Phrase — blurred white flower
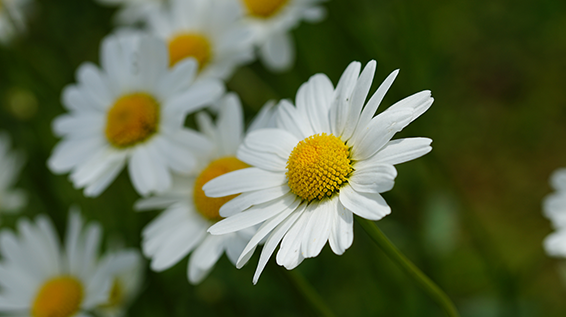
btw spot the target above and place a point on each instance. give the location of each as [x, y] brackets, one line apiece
[12, 18]
[39, 279]
[272, 21]
[554, 208]
[328, 158]
[126, 271]
[132, 110]
[211, 31]
[11, 199]
[181, 228]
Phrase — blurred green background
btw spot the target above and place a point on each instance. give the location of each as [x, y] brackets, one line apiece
[468, 214]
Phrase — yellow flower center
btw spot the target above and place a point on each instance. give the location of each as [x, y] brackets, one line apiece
[190, 45]
[58, 297]
[264, 8]
[318, 166]
[209, 207]
[132, 119]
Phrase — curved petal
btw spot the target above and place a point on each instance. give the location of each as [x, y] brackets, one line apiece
[366, 205]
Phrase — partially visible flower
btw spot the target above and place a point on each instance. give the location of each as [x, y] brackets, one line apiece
[11, 199]
[328, 158]
[134, 11]
[131, 111]
[554, 208]
[272, 21]
[12, 18]
[126, 271]
[181, 228]
[209, 31]
[39, 279]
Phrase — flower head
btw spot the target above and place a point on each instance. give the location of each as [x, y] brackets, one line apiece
[181, 228]
[209, 31]
[40, 279]
[554, 208]
[272, 20]
[131, 111]
[328, 158]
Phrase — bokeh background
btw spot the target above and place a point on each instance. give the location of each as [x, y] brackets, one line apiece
[468, 214]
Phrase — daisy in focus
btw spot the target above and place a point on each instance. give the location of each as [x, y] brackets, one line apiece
[12, 18]
[10, 166]
[131, 111]
[126, 271]
[133, 11]
[181, 228]
[39, 279]
[328, 158]
[554, 208]
[272, 20]
[210, 31]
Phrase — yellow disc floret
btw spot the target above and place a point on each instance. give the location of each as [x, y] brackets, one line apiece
[132, 119]
[190, 45]
[264, 8]
[209, 207]
[58, 297]
[318, 166]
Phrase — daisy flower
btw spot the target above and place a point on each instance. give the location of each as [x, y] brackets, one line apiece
[272, 20]
[126, 271]
[133, 11]
[10, 165]
[181, 228]
[131, 110]
[12, 18]
[554, 208]
[209, 31]
[327, 159]
[39, 279]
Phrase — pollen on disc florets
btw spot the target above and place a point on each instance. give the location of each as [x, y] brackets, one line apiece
[58, 297]
[190, 45]
[132, 119]
[209, 207]
[318, 166]
[264, 8]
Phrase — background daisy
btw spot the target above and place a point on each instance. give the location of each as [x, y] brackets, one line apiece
[272, 21]
[210, 31]
[10, 166]
[131, 111]
[328, 159]
[554, 208]
[125, 268]
[40, 279]
[181, 228]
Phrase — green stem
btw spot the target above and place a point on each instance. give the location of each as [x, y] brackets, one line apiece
[396, 256]
[309, 293]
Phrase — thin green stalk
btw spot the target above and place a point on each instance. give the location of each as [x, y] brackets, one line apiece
[396, 256]
[309, 293]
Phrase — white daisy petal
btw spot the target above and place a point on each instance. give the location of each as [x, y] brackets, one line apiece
[555, 243]
[266, 228]
[289, 254]
[358, 98]
[400, 151]
[278, 52]
[318, 228]
[342, 233]
[244, 180]
[201, 94]
[380, 130]
[204, 258]
[262, 140]
[274, 239]
[246, 200]
[230, 124]
[265, 160]
[374, 179]
[418, 103]
[339, 109]
[318, 93]
[290, 120]
[254, 215]
[94, 84]
[366, 205]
